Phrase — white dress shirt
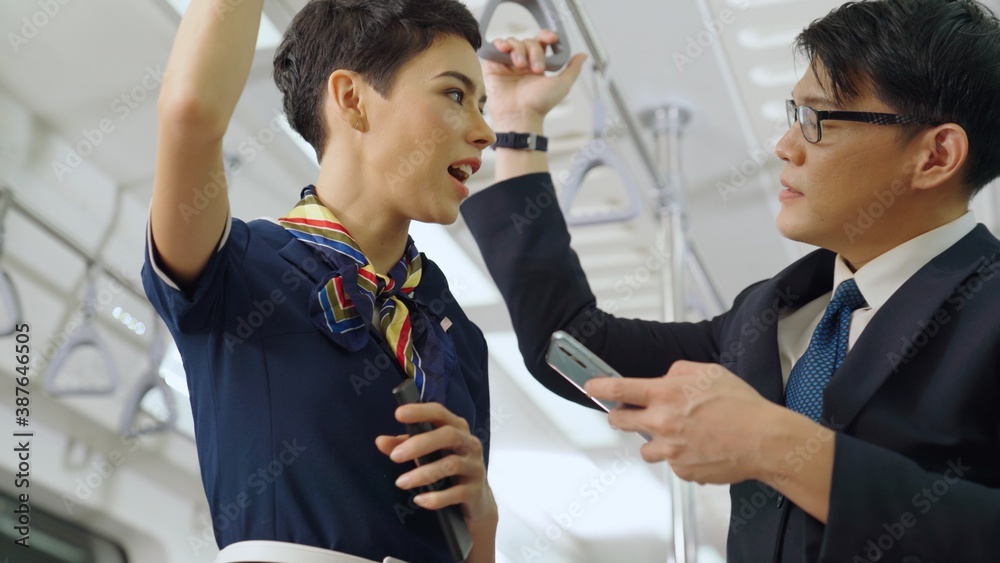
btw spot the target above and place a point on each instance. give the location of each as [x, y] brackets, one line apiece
[877, 281]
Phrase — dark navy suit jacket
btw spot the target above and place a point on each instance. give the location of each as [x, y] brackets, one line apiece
[915, 405]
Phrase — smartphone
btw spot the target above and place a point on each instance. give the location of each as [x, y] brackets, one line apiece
[578, 364]
[456, 533]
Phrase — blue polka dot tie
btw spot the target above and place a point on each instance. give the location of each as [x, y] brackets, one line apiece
[825, 353]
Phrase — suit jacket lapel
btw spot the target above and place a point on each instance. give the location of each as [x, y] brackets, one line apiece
[883, 345]
[793, 287]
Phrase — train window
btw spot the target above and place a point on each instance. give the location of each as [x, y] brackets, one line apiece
[53, 539]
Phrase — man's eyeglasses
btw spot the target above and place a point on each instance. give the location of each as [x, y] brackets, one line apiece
[811, 119]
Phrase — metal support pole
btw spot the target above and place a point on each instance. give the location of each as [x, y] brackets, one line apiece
[601, 65]
[671, 241]
[668, 122]
[8, 195]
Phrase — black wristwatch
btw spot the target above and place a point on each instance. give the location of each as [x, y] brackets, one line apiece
[527, 141]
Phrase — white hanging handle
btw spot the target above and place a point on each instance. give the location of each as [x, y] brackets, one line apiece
[599, 152]
[10, 303]
[8, 296]
[150, 381]
[85, 335]
[546, 16]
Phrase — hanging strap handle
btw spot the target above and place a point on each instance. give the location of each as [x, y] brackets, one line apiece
[546, 16]
[9, 300]
[599, 152]
[149, 382]
[84, 335]
[10, 303]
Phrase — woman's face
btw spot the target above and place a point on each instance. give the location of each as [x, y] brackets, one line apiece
[427, 137]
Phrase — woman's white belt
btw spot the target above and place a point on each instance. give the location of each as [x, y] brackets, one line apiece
[257, 551]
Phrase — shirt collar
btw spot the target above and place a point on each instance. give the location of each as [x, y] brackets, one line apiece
[880, 278]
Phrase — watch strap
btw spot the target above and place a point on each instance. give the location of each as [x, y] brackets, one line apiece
[525, 141]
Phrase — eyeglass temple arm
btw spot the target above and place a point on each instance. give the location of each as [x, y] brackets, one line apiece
[869, 117]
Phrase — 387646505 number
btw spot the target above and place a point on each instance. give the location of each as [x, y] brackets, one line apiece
[22, 357]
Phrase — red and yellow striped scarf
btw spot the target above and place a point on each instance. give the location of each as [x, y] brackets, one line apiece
[352, 296]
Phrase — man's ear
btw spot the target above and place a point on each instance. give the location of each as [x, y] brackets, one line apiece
[344, 98]
[941, 155]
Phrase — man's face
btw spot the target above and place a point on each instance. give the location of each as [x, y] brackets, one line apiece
[429, 133]
[829, 185]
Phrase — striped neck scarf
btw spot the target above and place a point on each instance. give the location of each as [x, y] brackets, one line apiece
[352, 296]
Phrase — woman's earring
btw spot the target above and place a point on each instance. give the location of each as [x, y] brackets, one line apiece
[357, 124]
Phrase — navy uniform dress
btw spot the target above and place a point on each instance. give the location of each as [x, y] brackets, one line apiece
[285, 419]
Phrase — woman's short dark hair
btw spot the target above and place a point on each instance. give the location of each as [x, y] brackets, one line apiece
[371, 37]
[938, 59]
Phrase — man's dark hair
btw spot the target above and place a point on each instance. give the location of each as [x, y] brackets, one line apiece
[371, 37]
[937, 59]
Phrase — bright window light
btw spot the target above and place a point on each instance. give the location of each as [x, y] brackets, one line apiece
[172, 369]
[757, 39]
[770, 76]
[744, 4]
[128, 320]
[618, 497]
[268, 36]
[467, 282]
[300, 143]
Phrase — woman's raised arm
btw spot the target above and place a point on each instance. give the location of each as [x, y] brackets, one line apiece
[208, 68]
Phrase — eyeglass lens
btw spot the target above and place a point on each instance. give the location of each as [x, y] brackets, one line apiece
[807, 118]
